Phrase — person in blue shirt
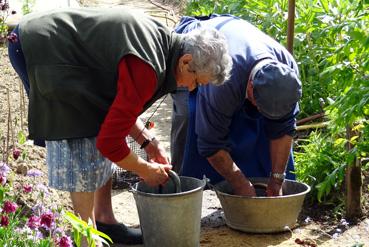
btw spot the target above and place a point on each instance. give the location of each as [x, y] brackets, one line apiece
[243, 128]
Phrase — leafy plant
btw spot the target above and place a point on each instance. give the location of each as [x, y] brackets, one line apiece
[80, 227]
[321, 163]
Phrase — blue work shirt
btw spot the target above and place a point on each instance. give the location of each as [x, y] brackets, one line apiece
[217, 105]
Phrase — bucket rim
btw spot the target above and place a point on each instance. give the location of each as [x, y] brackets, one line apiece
[135, 191]
[308, 188]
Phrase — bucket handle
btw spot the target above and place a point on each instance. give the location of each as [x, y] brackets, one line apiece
[176, 181]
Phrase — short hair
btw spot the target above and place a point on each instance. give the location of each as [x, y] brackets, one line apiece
[209, 50]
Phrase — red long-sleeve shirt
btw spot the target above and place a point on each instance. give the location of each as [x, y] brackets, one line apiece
[136, 85]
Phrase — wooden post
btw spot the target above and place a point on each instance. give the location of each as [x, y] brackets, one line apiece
[290, 25]
[353, 183]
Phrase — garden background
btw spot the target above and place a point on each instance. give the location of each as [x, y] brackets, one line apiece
[331, 46]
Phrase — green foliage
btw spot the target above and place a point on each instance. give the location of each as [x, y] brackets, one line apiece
[80, 227]
[321, 162]
[331, 46]
[321, 28]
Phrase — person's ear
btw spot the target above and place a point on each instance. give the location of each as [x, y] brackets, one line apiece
[184, 61]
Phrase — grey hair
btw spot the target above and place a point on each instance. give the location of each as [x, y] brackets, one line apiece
[209, 50]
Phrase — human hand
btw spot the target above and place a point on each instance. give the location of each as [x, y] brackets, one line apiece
[156, 152]
[244, 188]
[155, 174]
[274, 187]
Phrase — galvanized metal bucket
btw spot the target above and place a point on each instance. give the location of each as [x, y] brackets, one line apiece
[262, 214]
[169, 218]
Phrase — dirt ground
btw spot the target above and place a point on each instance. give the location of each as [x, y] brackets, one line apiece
[214, 232]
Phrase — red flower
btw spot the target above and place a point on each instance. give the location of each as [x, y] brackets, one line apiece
[65, 241]
[27, 188]
[47, 219]
[4, 221]
[9, 207]
[33, 222]
[16, 153]
[2, 180]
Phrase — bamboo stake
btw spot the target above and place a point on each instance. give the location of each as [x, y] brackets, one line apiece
[312, 126]
[353, 182]
[290, 25]
[6, 148]
[21, 104]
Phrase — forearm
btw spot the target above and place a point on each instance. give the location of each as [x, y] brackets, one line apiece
[279, 153]
[139, 132]
[133, 163]
[154, 149]
[222, 162]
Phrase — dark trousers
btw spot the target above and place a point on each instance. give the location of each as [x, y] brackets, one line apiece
[18, 62]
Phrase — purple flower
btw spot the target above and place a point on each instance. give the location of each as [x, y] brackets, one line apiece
[2, 179]
[33, 222]
[65, 241]
[4, 169]
[9, 207]
[38, 209]
[47, 219]
[34, 173]
[4, 220]
[39, 235]
[27, 188]
[42, 188]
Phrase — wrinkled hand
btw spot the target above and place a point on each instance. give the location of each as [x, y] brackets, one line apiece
[156, 153]
[274, 187]
[155, 174]
[244, 188]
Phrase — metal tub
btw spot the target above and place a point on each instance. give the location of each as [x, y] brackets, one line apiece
[262, 214]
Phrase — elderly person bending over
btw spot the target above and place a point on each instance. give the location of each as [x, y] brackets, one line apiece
[244, 128]
[90, 73]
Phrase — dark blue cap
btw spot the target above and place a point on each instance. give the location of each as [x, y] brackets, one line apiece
[277, 88]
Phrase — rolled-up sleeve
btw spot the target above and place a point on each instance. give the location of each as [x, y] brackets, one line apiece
[286, 126]
[136, 85]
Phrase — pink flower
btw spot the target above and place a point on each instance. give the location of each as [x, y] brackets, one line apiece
[27, 188]
[4, 220]
[47, 220]
[9, 207]
[65, 241]
[33, 222]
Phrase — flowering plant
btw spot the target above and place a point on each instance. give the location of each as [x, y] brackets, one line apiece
[25, 225]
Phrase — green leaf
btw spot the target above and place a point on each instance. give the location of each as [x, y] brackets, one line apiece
[1, 194]
[21, 137]
[339, 141]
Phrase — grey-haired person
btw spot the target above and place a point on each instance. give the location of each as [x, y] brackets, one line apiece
[89, 74]
[245, 127]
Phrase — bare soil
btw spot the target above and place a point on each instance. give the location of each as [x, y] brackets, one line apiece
[316, 225]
